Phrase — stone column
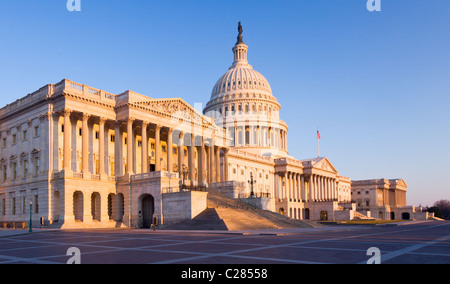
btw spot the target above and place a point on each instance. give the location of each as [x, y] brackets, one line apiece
[144, 148]
[217, 151]
[104, 217]
[85, 144]
[315, 190]
[276, 181]
[118, 164]
[303, 188]
[130, 146]
[334, 190]
[157, 148]
[202, 162]
[287, 186]
[208, 163]
[225, 164]
[169, 150]
[211, 168]
[322, 188]
[101, 139]
[67, 142]
[181, 154]
[87, 206]
[191, 158]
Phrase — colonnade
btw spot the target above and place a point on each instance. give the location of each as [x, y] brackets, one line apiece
[258, 136]
[207, 161]
[299, 187]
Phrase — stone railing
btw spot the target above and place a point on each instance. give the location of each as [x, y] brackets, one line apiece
[83, 176]
[286, 160]
[85, 91]
[159, 174]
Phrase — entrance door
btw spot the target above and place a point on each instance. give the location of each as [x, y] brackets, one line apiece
[148, 208]
[323, 215]
[306, 214]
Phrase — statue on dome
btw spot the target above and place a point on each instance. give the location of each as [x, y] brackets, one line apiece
[240, 30]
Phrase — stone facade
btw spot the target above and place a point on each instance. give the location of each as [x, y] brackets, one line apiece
[83, 157]
[383, 199]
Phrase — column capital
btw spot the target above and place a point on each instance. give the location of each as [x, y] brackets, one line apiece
[145, 124]
[102, 120]
[181, 136]
[85, 116]
[157, 127]
[130, 120]
[66, 112]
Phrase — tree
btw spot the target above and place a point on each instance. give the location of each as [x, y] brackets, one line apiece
[444, 208]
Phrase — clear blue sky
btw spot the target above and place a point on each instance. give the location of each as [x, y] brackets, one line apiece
[376, 84]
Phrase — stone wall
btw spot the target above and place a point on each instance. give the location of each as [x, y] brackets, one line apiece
[180, 206]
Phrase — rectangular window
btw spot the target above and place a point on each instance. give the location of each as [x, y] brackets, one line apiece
[36, 131]
[36, 204]
[4, 143]
[62, 128]
[24, 205]
[113, 138]
[14, 171]
[14, 138]
[97, 135]
[37, 163]
[4, 173]
[13, 206]
[97, 167]
[25, 135]
[25, 169]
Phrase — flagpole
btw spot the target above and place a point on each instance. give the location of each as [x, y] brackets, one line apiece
[318, 148]
[318, 143]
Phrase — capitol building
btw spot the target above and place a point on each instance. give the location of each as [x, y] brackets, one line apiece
[73, 156]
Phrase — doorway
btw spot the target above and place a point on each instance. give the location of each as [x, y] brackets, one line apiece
[323, 215]
[306, 213]
[405, 216]
[148, 208]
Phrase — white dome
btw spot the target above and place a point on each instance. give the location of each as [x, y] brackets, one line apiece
[242, 103]
[239, 80]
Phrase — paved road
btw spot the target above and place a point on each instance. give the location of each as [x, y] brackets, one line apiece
[427, 242]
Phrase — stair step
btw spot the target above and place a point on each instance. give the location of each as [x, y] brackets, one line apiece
[224, 213]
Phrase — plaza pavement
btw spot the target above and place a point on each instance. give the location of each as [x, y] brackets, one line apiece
[405, 242]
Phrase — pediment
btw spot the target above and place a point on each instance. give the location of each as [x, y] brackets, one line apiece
[176, 108]
[325, 164]
[401, 182]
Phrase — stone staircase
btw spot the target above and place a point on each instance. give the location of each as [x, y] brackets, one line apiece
[224, 213]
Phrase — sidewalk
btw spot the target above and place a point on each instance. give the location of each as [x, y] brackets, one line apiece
[4, 233]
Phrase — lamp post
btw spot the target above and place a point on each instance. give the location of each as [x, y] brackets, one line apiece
[31, 206]
[184, 172]
[251, 182]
